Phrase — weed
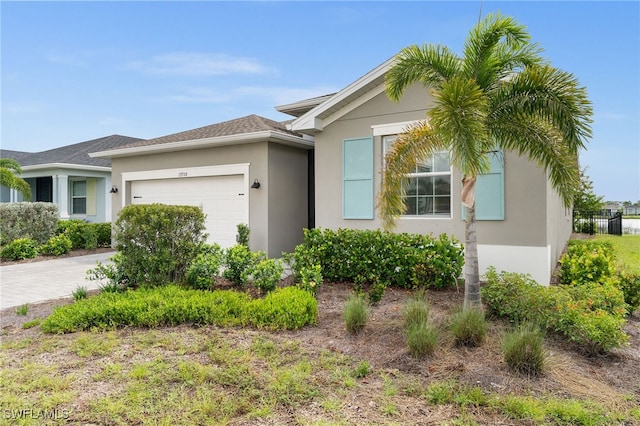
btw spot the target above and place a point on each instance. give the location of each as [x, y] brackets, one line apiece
[79, 293]
[356, 314]
[362, 370]
[22, 309]
[33, 323]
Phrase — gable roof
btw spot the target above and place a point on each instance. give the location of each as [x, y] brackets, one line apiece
[248, 129]
[75, 154]
[367, 86]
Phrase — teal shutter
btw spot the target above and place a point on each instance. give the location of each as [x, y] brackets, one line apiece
[357, 178]
[490, 191]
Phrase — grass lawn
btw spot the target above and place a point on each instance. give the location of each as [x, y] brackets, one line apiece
[627, 250]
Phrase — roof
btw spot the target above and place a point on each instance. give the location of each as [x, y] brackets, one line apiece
[77, 154]
[299, 108]
[248, 129]
[370, 84]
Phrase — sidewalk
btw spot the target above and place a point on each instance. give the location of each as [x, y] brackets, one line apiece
[49, 279]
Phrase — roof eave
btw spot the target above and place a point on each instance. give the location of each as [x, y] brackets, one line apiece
[65, 166]
[244, 138]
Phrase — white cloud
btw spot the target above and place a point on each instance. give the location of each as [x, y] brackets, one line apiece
[66, 59]
[273, 95]
[199, 64]
[201, 95]
[285, 95]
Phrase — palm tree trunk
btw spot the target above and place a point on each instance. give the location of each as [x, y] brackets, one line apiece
[471, 270]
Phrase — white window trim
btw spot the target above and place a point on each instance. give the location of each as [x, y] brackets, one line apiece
[72, 197]
[391, 129]
[394, 127]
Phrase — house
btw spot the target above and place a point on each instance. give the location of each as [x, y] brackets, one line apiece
[78, 184]
[251, 170]
[324, 168]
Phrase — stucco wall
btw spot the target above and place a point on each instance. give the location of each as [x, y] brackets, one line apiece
[288, 198]
[559, 226]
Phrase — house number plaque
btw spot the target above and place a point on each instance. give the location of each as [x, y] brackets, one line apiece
[182, 174]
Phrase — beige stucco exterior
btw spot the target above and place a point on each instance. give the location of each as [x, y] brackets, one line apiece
[277, 210]
[535, 227]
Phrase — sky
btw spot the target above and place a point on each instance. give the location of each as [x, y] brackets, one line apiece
[76, 71]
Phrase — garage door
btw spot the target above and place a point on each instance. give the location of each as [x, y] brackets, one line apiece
[222, 198]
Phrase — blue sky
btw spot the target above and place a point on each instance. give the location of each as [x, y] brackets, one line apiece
[75, 71]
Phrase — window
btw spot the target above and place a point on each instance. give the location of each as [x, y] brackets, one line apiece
[357, 178]
[78, 197]
[428, 190]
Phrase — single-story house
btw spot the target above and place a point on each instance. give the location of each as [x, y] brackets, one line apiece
[77, 183]
[324, 168]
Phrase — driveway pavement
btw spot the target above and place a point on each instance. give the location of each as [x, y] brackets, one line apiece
[49, 279]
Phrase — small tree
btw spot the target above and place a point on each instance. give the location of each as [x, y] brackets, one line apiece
[586, 200]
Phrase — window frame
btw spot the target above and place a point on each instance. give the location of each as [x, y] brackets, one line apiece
[73, 197]
[417, 174]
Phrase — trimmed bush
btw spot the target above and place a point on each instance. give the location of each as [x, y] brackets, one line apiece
[57, 245]
[630, 286]
[469, 327]
[36, 221]
[523, 349]
[587, 262]
[204, 270]
[404, 260]
[242, 237]
[310, 279]
[356, 314]
[85, 235]
[158, 242]
[267, 274]
[22, 248]
[286, 308]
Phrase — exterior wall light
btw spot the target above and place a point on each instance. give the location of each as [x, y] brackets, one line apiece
[255, 184]
[114, 190]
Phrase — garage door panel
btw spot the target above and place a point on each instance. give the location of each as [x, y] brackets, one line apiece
[222, 199]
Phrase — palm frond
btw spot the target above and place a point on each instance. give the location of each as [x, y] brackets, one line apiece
[10, 180]
[10, 164]
[543, 144]
[408, 149]
[547, 93]
[428, 64]
[458, 118]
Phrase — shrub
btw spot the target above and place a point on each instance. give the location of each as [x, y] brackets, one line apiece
[523, 349]
[204, 270]
[21, 248]
[469, 327]
[286, 308]
[356, 314]
[242, 237]
[587, 262]
[422, 339]
[36, 221]
[376, 291]
[346, 254]
[591, 316]
[267, 274]
[239, 261]
[158, 242]
[75, 230]
[57, 245]
[630, 286]
[103, 233]
[112, 276]
[310, 279]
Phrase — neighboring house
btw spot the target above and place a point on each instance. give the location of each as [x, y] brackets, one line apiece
[78, 184]
[632, 210]
[251, 170]
[324, 169]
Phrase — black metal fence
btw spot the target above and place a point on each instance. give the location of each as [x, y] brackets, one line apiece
[597, 223]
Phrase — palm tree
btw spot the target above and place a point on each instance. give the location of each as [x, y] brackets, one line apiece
[9, 171]
[500, 94]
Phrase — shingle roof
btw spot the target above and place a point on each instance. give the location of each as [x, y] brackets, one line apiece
[248, 124]
[72, 154]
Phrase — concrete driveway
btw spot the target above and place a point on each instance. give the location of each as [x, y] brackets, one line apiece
[48, 279]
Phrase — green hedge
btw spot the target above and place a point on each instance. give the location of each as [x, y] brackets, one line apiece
[36, 221]
[85, 235]
[158, 242]
[402, 260]
[283, 308]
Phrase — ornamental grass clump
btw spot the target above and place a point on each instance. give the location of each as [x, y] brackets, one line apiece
[523, 349]
[422, 336]
[469, 327]
[356, 314]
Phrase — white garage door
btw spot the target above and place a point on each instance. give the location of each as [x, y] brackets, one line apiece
[223, 199]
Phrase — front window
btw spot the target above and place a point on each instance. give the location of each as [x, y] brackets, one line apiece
[79, 197]
[428, 187]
